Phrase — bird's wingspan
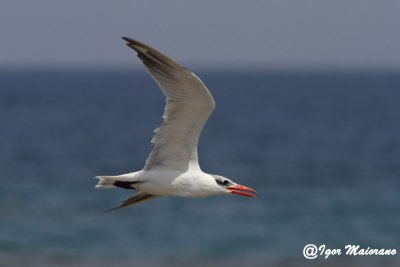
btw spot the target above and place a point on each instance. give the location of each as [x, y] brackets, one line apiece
[189, 104]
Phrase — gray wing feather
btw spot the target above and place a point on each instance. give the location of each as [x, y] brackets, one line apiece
[137, 198]
[189, 105]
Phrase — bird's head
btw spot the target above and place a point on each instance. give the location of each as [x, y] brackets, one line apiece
[229, 187]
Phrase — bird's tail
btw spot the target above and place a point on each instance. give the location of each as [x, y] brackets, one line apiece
[106, 181]
[122, 181]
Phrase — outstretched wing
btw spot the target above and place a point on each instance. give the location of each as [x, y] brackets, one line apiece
[189, 105]
[137, 198]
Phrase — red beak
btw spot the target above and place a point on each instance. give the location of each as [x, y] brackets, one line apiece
[242, 190]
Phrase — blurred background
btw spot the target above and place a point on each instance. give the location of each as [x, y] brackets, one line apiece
[307, 113]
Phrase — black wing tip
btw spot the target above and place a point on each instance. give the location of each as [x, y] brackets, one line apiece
[109, 210]
[142, 48]
[132, 42]
[127, 39]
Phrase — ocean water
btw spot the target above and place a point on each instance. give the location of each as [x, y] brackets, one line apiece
[321, 148]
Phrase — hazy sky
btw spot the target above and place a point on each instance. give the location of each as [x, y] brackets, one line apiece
[270, 33]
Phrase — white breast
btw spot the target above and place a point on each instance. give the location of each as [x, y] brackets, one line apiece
[194, 183]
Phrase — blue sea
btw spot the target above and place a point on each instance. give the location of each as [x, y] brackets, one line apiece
[322, 149]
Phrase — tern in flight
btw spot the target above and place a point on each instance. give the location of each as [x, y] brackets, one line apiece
[172, 168]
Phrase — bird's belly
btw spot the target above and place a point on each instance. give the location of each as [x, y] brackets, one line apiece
[156, 189]
[165, 189]
[158, 182]
[175, 184]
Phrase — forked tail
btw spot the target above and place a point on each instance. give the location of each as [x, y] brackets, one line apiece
[126, 183]
[115, 181]
[106, 181]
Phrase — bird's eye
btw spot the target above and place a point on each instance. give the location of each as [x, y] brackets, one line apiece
[223, 182]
